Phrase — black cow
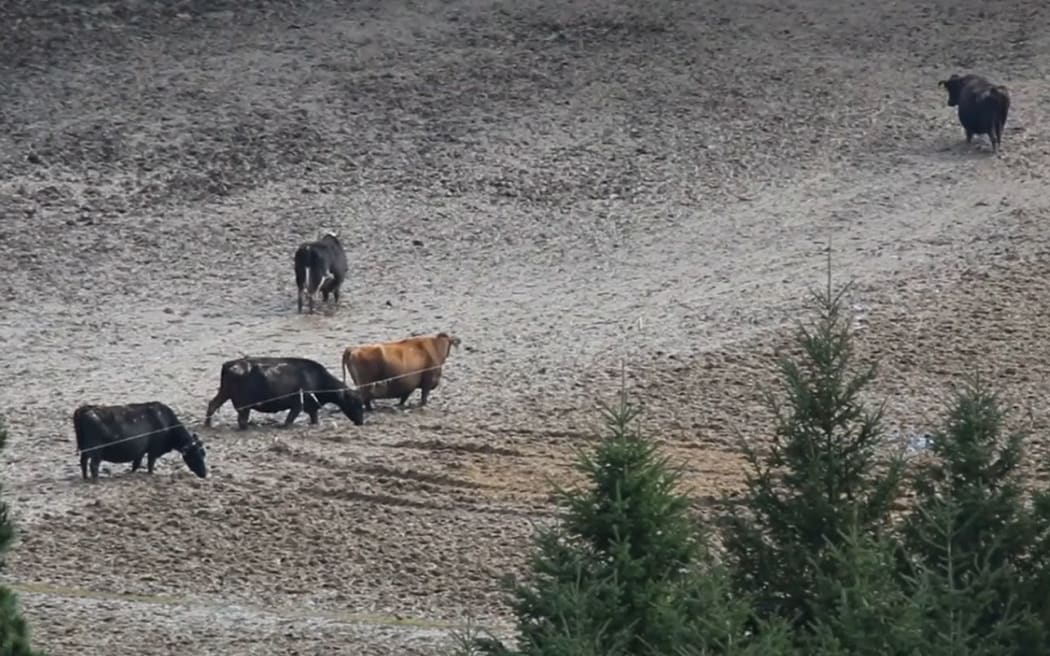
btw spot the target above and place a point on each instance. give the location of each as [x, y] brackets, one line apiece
[320, 265]
[126, 433]
[272, 384]
[982, 106]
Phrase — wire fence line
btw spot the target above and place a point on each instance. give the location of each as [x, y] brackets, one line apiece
[629, 330]
[639, 322]
[300, 392]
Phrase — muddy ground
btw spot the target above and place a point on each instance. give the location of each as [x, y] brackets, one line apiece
[565, 186]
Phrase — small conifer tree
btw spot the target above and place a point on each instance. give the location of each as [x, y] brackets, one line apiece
[861, 608]
[975, 532]
[618, 575]
[956, 593]
[14, 634]
[722, 623]
[819, 477]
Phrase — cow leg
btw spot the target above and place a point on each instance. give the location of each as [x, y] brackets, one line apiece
[83, 465]
[151, 460]
[136, 463]
[969, 136]
[300, 278]
[310, 406]
[427, 384]
[337, 282]
[213, 406]
[95, 462]
[242, 418]
[365, 392]
[297, 407]
[403, 399]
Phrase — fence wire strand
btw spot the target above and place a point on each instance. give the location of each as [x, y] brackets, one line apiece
[300, 392]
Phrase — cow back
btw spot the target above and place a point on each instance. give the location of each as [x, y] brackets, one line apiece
[390, 368]
[398, 367]
[121, 432]
[981, 106]
[335, 255]
[371, 363]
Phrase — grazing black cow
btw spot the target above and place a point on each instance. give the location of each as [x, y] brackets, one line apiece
[126, 433]
[320, 265]
[272, 384]
[982, 106]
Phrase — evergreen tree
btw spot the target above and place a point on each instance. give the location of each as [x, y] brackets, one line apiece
[956, 594]
[620, 574]
[722, 623]
[860, 607]
[865, 609]
[14, 635]
[819, 476]
[974, 529]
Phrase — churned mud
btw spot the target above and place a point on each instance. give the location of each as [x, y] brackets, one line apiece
[567, 187]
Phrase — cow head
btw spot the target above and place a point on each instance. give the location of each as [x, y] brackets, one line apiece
[954, 85]
[193, 455]
[351, 405]
[451, 340]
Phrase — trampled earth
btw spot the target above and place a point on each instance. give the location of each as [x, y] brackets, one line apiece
[564, 186]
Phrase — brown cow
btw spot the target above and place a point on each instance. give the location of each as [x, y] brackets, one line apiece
[393, 370]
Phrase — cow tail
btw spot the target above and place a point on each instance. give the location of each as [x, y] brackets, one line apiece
[1001, 103]
[78, 428]
[1003, 98]
[300, 266]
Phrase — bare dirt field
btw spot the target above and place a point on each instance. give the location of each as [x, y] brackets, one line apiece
[564, 186]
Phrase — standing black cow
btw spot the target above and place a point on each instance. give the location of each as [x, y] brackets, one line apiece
[982, 106]
[126, 433]
[320, 265]
[273, 384]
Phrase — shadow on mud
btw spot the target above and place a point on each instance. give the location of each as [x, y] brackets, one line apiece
[282, 305]
[951, 150]
[274, 424]
[954, 148]
[120, 475]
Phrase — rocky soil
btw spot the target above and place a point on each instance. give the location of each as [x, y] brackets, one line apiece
[567, 187]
